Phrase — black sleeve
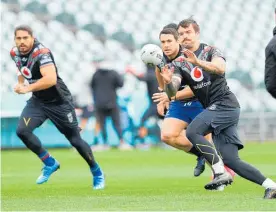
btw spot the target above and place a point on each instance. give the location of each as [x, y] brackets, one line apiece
[45, 59]
[92, 82]
[143, 77]
[147, 77]
[215, 52]
[119, 80]
[270, 68]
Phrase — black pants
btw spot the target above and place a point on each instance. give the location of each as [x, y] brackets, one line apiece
[222, 122]
[114, 113]
[64, 118]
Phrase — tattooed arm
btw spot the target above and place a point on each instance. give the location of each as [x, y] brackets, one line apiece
[216, 66]
[172, 81]
[172, 87]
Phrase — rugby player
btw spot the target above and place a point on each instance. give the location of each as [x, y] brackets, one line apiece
[202, 67]
[50, 99]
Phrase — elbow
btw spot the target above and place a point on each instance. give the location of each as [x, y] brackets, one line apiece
[221, 71]
[53, 82]
[271, 89]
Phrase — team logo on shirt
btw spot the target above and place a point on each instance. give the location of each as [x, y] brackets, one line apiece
[26, 72]
[70, 117]
[197, 74]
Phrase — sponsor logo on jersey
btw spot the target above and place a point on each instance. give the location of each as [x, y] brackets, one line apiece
[197, 74]
[26, 72]
[202, 85]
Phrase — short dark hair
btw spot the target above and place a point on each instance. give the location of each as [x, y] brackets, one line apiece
[171, 25]
[23, 28]
[187, 22]
[169, 31]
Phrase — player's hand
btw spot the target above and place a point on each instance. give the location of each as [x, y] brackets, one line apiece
[17, 88]
[21, 89]
[167, 105]
[167, 74]
[160, 97]
[190, 57]
[161, 108]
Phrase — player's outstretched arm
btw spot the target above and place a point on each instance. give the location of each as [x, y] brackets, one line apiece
[172, 81]
[185, 93]
[159, 78]
[216, 66]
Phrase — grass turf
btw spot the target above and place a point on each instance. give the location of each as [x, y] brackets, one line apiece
[138, 180]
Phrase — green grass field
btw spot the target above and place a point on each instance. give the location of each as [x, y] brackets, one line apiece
[139, 180]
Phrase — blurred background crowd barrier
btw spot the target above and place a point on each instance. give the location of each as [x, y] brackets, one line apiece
[81, 32]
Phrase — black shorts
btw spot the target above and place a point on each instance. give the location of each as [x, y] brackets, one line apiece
[62, 115]
[222, 121]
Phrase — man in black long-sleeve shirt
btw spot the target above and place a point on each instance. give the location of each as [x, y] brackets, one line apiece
[270, 65]
[104, 84]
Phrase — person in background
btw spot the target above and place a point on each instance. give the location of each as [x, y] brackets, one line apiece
[84, 102]
[152, 87]
[104, 84]
[270, 64]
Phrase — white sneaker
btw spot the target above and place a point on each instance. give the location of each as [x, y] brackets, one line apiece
[143, 146]
[125, 146]
[220, 188]
[100, 148]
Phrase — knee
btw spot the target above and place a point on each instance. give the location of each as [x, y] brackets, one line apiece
[22, 132]
[190, 133]
[230, 162]
[168, 136]
[74, 138]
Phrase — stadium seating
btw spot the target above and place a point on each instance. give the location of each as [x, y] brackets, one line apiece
[81, 31]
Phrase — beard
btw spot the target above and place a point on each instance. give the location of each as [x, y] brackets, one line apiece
[187, 46]
[24, 50]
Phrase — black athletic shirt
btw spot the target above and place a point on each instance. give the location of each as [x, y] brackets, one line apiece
[167, 61]
[150, 79]
[208, 88]
[270, 65]
[104, 85]
[29, 67]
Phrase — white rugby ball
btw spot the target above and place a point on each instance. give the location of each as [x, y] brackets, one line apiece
[151, 54]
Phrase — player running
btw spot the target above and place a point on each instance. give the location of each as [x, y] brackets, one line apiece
[51, 99]
[202, 67]
[180, 112]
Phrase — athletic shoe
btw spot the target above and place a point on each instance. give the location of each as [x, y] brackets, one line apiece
[270, 193]
[200, 166]
[47, 171]
[99, 182]
[219, 179]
